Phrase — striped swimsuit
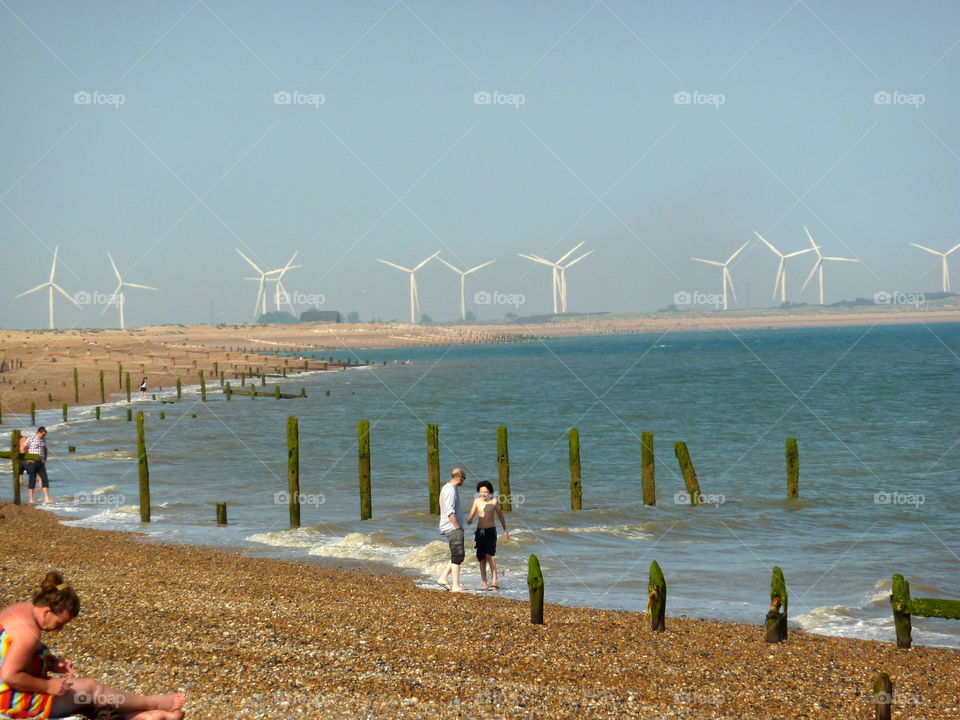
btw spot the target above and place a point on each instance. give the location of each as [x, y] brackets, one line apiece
[15, 704]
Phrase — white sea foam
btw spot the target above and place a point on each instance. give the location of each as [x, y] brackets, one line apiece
[429, 558]
[627, 532]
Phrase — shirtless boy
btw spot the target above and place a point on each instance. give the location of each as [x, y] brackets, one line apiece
[486, 508]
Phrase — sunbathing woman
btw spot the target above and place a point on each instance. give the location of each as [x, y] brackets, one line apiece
[26, 688]
[486, 508]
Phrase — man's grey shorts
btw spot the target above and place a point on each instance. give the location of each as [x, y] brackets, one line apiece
[455, 540]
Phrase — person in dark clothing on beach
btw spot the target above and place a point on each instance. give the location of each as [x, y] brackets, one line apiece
[37, 445]
[486, 508]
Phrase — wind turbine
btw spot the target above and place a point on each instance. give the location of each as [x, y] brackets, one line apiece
[261, 304]
[563, 279]
[463, 275]
[818, 265]
[725, 275]
[557, 291]
[118, 293]
[781, 280]
[414, 299]
[943, 255]
[51, 286]
[281, 295]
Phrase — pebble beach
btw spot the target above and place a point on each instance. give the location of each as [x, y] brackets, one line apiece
[256, 638]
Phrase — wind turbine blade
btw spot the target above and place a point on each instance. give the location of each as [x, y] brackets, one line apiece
[929, 250]
[952, 249]
[114, 266]
[64, 293]
[816, 248]
[536, 259]
[427, 260]
[733, 290]
[478, 267]
[252, 263]
[708, 262]
[765, 242]
[730, 259]
[38, 287]
[813, 271]
[574, 262]
[142, 287]
[113, 298]
[841, 259]
[398, 267]
[780, 271]
[455, 269]
[53, 267]
[571, 252]
[798, 252]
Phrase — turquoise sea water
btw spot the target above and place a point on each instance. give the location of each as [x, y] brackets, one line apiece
[874, 411]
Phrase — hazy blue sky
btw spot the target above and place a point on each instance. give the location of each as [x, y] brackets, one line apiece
[783, 129]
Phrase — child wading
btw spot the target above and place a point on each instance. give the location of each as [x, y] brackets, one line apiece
[486, 508]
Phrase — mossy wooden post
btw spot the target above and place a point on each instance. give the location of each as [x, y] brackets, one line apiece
[535, 585]
[97, 411]
[216, 368]
[576, 489]
[127, 384]
[776, 621]
[433, 467]
[648, 469]
[15, 463]
[793, 468]
[900, 600]
[228, 391]
[76, 386]
[363, 468]
[253, 391]
[293, 469]
[203, 387]
[120, 375]
[163, 415]
[221, 513]
[503, 470]
[129, 414]
[657, 598]
[689, 474]
[276, 391]
[143, 471]
[882, 697]
[64, 412]
[103, 394]
[179, 389]
[33, 412]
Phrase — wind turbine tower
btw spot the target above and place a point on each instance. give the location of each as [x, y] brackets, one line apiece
[945, 271]
[781, 281]
[51, 286]
[558, 291]
[118, 294]
[726, 279]
[414, 298]
[818, 265]
[463, 275]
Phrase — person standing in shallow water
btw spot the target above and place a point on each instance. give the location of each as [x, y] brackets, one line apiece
[451, 526]
[486, 508]
[37, 445]
[143, 389]
[26, 688]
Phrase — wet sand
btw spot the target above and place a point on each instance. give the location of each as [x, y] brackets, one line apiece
[255, 638]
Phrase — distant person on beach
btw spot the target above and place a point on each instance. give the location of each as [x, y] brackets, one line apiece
[143, 389]
[486, 508]
[451, 526]
[37, 445]
[26, 688]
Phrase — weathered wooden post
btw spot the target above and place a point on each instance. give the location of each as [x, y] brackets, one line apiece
[776, 621]
[228, 391]
[303, 392]
[263, 379]
[882, 697]
[163, 415]
[276, 391]
[143, 471]
[129, 414]
[203, 387]
[576, 490]
[648, 469]
[689, 474]
[793, 469]
[900, 600]
[71, 448]
[119, 375]
[76, 386]
[15, 463]
[503, 470]
[253, 391]
[221, 513]
[127, 383]
[535, 585]
[33, 412]
[293, 469]
[97, 411]
[64, 412]
[216, 368]
[179, 389]
[363, 468]
[103, 395]
[657, 598]
[433, 467]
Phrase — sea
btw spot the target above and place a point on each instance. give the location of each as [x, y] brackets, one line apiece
[873, 409]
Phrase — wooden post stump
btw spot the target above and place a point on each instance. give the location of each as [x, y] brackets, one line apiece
[129, 415]
[64, 412]
[689, 474]
[793, 468]
[96, 411]
[648, 469]
[882, 697]
[657, 598]
[363, 468]
[228, 391]
[143, 471]
[433, 467]
[776, 621]
[103, 395]
[503, 470]
[900, 600]
[203, 387]
[127, 384]
[576, 487]
[179, 389]
[221, 513]
[33, 412]
[535, 585]
[76, 386]
[15, 463]
[293, 468]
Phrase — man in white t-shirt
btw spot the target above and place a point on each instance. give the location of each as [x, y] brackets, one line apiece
[451, 526]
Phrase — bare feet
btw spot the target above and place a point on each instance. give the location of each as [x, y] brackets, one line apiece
[457, 588]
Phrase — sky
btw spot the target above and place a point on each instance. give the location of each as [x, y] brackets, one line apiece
[170, 134]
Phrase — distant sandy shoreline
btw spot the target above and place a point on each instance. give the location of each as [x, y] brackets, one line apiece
[37, 366]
